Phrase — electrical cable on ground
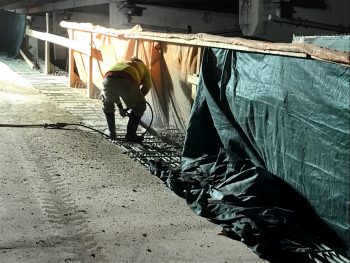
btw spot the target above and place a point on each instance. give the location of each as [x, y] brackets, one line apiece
[57, 125]
[60, 125]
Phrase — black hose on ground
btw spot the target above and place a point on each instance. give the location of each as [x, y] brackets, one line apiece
[150, 124]
[57, 125]
[22, 125]
[60, 125]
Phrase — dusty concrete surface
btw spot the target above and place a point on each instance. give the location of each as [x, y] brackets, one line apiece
[72, 196]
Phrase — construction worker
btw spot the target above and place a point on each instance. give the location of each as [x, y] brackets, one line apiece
[130, 81]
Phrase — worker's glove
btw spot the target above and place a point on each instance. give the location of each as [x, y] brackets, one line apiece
[123, 112]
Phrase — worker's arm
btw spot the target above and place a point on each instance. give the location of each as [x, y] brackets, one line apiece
[118, 102]
[123, 112]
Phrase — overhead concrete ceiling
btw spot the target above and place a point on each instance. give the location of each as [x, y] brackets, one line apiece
[227, 6]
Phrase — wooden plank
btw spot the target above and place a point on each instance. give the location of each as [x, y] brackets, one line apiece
[193, 92]
[63, 41]
[171, 38]
[281, 49]
[193, 79]
[26, 59]
[71, 68]
[203, 43]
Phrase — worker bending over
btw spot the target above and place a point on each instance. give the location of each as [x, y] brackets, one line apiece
[130, 81]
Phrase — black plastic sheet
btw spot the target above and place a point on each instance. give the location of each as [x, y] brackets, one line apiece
[266, 153]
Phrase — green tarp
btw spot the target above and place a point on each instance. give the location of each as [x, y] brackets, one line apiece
[266, 153]
[336, 42]
[12, 27]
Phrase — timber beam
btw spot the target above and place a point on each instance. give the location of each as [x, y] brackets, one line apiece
[62, 41]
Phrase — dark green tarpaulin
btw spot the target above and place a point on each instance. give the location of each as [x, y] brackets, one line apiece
[12, 27]
[266, 153]
[336, 42]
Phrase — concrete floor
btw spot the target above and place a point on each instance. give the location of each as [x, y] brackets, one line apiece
[72, 196]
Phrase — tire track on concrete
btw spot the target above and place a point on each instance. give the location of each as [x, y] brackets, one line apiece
[69, 223]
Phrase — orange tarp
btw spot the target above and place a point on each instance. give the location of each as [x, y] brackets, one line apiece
[169, 65]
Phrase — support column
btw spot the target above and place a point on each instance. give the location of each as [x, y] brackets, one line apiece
[59, 52]
[199, 60]
[47, 47]
[116, 19]
[136, 51]
[194, 79]
[89, 84]
[71, 65]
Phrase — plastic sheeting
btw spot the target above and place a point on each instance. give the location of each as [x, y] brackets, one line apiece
[169, 65]
[12, 28]
[337, 42]
[266, 153]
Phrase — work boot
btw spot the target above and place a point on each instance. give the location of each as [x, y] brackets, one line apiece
[132, 128]
[110, 117]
